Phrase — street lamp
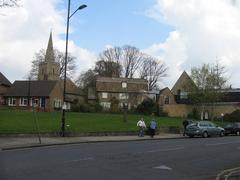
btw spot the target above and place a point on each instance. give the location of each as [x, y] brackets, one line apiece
[65, 66]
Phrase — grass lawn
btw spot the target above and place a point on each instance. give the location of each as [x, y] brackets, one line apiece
[50, 122]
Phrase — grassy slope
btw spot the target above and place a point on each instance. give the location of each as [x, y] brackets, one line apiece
[24, 122]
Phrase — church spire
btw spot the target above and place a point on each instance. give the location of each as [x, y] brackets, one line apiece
[50, 52]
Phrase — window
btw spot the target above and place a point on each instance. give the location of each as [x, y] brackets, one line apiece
[105, 105]
[123, 96]
[58, 103]
[23, 101]
[166, 100]
[42, 102]
[124, 85]
[183, 95]
[35, 102]
[12, 101]
[104, 95]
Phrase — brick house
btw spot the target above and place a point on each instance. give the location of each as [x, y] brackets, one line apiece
[176, 103]
[128, 92]
[5, 84]
[44, 95]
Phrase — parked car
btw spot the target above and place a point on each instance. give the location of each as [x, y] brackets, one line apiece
[232, 128]
[204, 129]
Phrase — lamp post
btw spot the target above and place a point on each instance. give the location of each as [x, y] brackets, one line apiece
[65, 66]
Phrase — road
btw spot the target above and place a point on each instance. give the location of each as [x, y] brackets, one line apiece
[190, 158]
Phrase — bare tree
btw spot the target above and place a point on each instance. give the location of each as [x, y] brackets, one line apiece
[132, 59]
[59, 57]
[109, 63]
[86, 79]
[9, 3]
[152, 70]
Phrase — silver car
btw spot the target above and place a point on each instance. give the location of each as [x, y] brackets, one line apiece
[204, 129]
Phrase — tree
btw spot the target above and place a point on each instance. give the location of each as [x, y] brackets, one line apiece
[9, 3]
[209, 81]
[86, 79]
[107, 68]
[109, 63]
[132, 59]
[152, 70]
[59, 57]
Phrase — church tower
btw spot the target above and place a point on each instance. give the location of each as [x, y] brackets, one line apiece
[49, 69]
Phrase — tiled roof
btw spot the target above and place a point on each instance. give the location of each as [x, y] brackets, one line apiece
[4, 80]
[115, 79]
[31, 88]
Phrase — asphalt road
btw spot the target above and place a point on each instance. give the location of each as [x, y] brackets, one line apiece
[195, 158]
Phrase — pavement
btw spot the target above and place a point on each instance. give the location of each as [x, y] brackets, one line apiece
[8, 143]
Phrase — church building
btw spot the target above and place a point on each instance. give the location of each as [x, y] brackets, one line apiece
[45, 93]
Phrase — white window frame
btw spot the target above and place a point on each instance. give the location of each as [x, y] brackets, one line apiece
[58, 103]
[34, 102]
[104, 95]
[11, 100]
[123, 96]
[106, 105]
[124, 84]
[23, 101]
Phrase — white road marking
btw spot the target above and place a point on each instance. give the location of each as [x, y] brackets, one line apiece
[164, 150]
[82, 159]
[224, 143]
[163, 167]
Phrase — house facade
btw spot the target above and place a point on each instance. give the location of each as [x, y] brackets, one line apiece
[127, 93]
[5, 84]
[176, 103]
[42, 95]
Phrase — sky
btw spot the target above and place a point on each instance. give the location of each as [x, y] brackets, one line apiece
[182, 34]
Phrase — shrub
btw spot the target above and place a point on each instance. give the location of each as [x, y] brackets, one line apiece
[194, 114]
[148, 106]
[114, 105]
[234, 116]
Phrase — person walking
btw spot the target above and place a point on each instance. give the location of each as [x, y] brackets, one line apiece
[153, 126]
[141, 124]
[185, 124]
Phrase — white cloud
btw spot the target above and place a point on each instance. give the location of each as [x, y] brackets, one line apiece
[25, 30]
[204, 31]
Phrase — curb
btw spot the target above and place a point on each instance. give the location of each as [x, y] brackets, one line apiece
[81, 142]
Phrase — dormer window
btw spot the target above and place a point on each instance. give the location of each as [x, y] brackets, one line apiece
[124, 85]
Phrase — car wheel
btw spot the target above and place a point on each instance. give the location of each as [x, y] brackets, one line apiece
[221, 133]
[205, 134]
[238, 133]
[191, 136]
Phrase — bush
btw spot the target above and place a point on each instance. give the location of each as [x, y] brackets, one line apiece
[86, 107]
[114, 105]
[233, 117]
[194, 114]
[148, 106]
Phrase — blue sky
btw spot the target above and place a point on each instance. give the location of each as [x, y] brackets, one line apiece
[180, 33]
[115, 23]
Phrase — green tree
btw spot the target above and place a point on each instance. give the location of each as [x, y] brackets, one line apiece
[209, 82]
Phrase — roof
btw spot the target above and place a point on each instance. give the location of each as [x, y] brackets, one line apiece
[162, 90]
[183, 80]
[4, 80]
[31, 88]
[119, 80]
